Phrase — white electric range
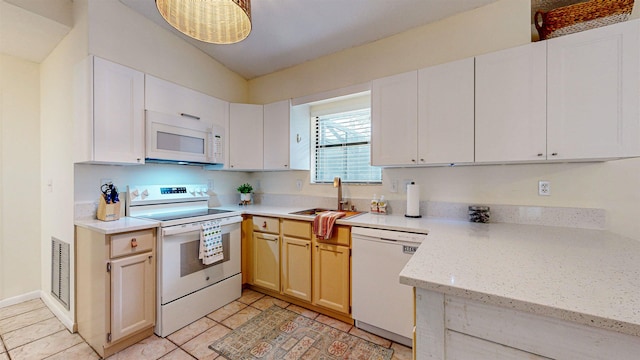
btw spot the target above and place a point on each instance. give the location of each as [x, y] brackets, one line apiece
[187, 289]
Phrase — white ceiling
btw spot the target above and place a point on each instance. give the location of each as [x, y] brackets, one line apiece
[289, 32]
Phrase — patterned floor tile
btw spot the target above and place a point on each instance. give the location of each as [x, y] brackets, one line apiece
[370, 337]
[25, 319]
[21, 308]
[226, 311]
[47, 346]
[249, 296]
[401, 352]
[302, 311]
[151, 348]
[2, 348]
[177, 354]
[81, 351]
[240, 317]
[4, 356]
[31, 333]
[267, 302]
[342, 326]
[199, 346]
[192, 330]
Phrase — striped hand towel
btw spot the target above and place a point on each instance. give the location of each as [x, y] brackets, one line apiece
[211, 242]
[323, 223]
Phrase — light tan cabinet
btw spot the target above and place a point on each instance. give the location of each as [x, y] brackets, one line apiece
[115, 288]
[265, 259]
[296, 259]
[331, 271]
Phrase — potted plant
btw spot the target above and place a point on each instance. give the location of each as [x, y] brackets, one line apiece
[245, 192]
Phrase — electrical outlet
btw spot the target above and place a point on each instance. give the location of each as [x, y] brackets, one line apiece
[394, 185]
[210, 184]
[544, 188]
[299, 184]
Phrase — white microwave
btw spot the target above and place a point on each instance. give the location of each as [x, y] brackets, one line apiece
[182, 139]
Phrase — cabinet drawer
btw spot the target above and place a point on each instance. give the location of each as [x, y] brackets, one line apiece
[131, 243]
[297, 228]
[341, 236]
[266, 224]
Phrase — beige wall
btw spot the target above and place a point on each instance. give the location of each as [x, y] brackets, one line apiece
[121, 35]
[610, 185]
[19, 177]
[475, 32]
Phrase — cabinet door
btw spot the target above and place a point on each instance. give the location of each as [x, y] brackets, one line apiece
[300, 138]
[446, 113]
[118, 113]
[169, 98]
[331, 277]
[132, 294]
[296, 267]
[276, 135]
[245, 137]
[394, 117]
[511, 105]
[593, 95]
[266, 261]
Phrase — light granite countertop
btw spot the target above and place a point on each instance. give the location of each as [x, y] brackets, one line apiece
[590, 277]
[124, 224]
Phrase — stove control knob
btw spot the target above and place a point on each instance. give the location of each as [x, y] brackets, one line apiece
[145, 193]
[134, 193]
[202, 191]
[192, 192]
[205, 191]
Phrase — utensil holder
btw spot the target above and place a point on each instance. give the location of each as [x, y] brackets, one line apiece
[108, 212]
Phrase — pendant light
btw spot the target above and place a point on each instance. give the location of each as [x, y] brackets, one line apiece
[212, 21]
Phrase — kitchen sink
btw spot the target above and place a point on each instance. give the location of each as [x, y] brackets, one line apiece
[316, 211]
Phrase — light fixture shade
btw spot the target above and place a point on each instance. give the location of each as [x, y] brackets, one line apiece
[212, 21]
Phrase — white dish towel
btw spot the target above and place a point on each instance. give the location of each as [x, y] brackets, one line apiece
[211, 242]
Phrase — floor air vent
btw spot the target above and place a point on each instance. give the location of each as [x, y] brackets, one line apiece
[60, 271]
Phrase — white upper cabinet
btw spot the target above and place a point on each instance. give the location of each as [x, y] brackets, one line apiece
[109, 106]
[593, 96]
[394, 118]
[446, 113]
[510, 107]
[276, 135]
[299, 138]
[169, 98]
[245, 137]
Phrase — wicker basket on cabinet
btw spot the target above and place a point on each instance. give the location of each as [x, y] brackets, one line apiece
[581, 16]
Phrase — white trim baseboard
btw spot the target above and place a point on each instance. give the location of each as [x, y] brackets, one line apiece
[61, 314]
[20, 298]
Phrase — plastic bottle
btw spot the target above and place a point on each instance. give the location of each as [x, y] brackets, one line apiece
[374, 204]
[382, 205]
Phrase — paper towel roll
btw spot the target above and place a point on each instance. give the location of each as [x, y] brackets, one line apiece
[413, 200]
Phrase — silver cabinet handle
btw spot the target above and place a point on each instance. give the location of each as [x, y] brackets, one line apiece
[190, 116]
[413, 160]
[540, 154]
[554, 154]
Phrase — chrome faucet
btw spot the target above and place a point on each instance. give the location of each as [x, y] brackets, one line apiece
[337, 183]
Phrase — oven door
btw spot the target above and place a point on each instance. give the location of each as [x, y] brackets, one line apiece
[180, 270]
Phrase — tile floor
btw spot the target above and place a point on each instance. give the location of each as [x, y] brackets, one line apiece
[30, 331]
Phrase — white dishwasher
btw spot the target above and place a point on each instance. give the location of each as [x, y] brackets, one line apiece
[381, 305]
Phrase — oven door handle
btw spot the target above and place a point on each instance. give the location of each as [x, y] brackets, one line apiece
[176, 230]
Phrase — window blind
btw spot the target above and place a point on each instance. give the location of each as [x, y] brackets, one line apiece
[342, 148]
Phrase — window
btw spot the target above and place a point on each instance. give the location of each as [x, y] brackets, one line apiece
[342, 147]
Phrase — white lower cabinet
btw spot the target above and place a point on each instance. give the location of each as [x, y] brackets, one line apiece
[450, 327]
